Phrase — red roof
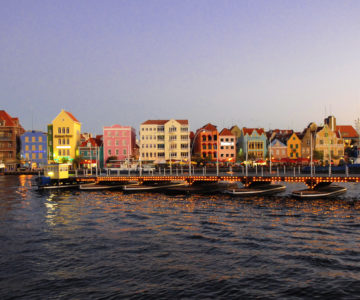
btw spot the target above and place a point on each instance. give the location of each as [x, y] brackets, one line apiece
[225, 131]
[72, 116]
[347, 131]
[249, 131]
[208, 127]
[162, 122]
[9, 121]
[94, 143]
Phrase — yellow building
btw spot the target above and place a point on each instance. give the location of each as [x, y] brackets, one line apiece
[328, 144]
[64, 134]
[293, 146]
[164, 140]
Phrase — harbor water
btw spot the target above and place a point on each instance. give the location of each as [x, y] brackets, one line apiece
[109, 245]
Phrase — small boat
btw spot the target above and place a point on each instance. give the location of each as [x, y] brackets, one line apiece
[61, 186]
[197, 188]
[154, 186]
[324, 190]
[256, 189]
[98, 187]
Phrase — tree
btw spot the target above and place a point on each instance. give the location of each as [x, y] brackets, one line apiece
[76, 161]
[318, 155]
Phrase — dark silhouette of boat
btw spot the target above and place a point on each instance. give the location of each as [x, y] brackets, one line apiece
[256, 189]
[322, 190]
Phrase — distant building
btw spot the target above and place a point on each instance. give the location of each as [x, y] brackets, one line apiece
[294, 146]
[10, 143]
[91, 152]
[254, 141]
[227, 146]
[278, 149]
[119, 143]
[308, 140]
[206, 142]
[164, 140]
[63, 138]
[34, 148]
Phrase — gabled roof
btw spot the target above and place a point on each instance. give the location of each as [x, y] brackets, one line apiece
[278, 141]
[347, 131]
[225, 131]
[162, 122]
[9, 121]
[209, 127]
[92, 141]
[250, 131]
[72, 116]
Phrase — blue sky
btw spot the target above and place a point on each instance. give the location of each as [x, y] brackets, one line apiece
[271, 64]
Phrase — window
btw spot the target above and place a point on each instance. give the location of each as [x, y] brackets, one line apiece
[27, 148]
[26, 139]
[59, 152]
[33, 156]
[33, 147]
[59, 130]
[124, 151]
[117, 143]
[63, 130]
[109, 143]
[67, 129]
[40, 139]
[40, 147]
[68, 152]
[109, 151]
[63, 141]
[68, 141]
[117, 151]
[33, 139]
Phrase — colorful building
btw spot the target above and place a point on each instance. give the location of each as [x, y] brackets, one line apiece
[164, 140]
[119, 143]
[294, 146]
[63, 138]
[34, 148]
[227, 146]
[206, 142]
[254, 142]
[278, 150]
[308, 140]
[91, 153]
[10, 143]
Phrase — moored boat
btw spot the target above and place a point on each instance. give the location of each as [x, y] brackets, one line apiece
[154, 186]
[322, 191]
[98, 187]
[256, 190]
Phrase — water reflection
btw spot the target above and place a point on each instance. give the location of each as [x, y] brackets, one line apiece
[73, 242]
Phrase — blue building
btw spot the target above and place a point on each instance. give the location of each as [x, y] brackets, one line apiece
[34, 148]
[254, 142]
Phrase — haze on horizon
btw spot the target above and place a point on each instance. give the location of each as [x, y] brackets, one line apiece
[271, 64]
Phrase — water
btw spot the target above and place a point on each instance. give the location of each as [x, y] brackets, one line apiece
[107, 245]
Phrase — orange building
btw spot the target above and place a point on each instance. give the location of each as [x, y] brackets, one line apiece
[206, 142]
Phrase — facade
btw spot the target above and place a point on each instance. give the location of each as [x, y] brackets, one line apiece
[294, 146]
[308, 140]
[254, 142]
[119, 142]
[227, 146]
[63, 138]
[235, 130]
[34, 148]
[91, 153]
[10, 143]
[206, 142]
[348, 134]
[278, 149]
[164, 140]
[328, 144]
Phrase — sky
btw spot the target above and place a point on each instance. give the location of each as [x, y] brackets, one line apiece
[271, 64]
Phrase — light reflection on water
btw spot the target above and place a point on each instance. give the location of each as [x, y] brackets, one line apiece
[109, 244]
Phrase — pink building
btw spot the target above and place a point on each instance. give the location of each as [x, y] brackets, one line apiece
[227, 151]
[119, 141]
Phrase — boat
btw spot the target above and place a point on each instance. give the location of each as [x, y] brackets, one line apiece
[197, 188]
[256, 189]
[59, 186]
[98, 187]
[152, 186]
[323, 190]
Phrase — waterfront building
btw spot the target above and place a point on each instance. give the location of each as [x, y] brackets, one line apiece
[91, 152]
[227, 149]
[328, 145]
[10, 143]
[206, 142]
[164, 140]
[294, 146]
[34, 148]
[278, 149]
[254, 141]
[63, 138]
[308, 140]
[348, 134]
[119, 144]
[235, 130]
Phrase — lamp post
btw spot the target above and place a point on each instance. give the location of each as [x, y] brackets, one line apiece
[217, 155]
